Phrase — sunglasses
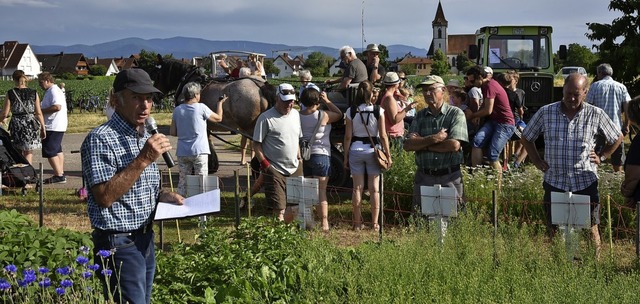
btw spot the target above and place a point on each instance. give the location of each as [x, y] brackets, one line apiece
[403, 78]
[286, 92]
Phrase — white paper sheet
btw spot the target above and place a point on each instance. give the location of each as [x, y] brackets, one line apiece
[200, 204]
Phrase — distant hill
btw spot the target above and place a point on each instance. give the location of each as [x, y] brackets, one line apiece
[184, 47]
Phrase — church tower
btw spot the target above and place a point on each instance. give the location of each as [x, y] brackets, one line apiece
[440, 35]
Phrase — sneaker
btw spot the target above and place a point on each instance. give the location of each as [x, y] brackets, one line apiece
[56, 180]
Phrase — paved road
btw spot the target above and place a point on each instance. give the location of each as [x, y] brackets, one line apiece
[229, 162]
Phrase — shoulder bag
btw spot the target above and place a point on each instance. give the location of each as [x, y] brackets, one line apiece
[305, 144]
[382, 159]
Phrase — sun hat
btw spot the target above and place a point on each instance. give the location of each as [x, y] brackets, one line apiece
[391, 78]
[312, 86]
[453, 83]
[286, 92]
[431, 79]
[372, 48]
[488, 70]
[136, 80]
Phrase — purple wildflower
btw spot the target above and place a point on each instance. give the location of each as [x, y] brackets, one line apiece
[60, 291]
[104, 253]
[84, 250]
[66, 283]
[4, 285]
[94, 267]
[82, 260]
[11, 268]
[107, 272]
[46, 282]
[66, 270]
[43, 270]
[87, 274]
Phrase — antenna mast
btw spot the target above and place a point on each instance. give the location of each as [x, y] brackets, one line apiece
[362, 27]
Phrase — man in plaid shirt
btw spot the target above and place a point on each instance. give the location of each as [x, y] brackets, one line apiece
[570, 162]
[613, 98]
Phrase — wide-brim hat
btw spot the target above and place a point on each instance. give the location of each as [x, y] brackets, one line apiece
[372, 48]
[136, 80]
[432, 79]
[391, 78]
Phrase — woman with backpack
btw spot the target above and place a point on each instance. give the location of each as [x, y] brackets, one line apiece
[365, 128]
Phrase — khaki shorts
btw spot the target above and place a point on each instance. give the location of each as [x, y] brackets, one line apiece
[275, 187]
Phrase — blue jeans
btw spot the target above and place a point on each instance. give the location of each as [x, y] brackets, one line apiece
[496, 136]
[317, 165]
[133, 264]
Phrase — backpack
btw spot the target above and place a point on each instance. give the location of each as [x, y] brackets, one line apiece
[354, 111]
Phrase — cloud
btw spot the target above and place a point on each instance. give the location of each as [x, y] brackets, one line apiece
[28, 3]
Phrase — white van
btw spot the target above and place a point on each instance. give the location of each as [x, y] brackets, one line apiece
[565, 71]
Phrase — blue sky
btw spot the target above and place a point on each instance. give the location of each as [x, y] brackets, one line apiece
[331, 23]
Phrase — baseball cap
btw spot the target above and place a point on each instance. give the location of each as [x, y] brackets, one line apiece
[286, 92]
[431, 79]
[488, 70]
[136, 80]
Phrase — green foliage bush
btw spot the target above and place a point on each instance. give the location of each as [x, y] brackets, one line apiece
[25, 245]
[268, 262]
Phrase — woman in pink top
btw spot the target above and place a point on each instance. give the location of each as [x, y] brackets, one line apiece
[394, 110]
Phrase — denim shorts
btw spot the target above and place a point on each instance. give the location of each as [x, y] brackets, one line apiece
[494, 135]
[317, 165]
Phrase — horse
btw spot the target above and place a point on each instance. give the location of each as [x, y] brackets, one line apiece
[247, 97]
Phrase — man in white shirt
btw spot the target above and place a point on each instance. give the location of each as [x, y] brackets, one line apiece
[54, 110]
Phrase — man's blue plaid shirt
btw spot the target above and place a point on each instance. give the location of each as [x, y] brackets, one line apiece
[107, 150]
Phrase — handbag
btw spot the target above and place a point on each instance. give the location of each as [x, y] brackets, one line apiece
[383, 161]
[305, 144]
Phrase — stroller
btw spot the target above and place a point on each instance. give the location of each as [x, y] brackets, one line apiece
[16, 171]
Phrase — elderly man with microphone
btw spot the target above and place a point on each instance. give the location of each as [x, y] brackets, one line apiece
[119, 167]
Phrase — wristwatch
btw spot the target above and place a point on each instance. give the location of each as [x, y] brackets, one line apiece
[602, 158]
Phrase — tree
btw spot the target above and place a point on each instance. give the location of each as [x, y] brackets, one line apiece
[620, 42]
[318, 63]
[98, 70]
[149, 59]
[270, 68]
[579, 55]
[408, 69]
[440, 65]
[462, 62]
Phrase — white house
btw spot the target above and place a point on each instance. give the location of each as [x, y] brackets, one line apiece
[109, 63]
[288, 66]
[18, 56]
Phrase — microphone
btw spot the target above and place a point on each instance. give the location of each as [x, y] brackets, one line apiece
[152, 127]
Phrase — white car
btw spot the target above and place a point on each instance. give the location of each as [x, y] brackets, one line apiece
[565, 71]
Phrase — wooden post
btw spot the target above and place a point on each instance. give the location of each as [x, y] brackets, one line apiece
[237, 191]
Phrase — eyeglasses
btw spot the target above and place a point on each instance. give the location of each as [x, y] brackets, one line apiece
[403, 78]
[286, 92]
[430, 89]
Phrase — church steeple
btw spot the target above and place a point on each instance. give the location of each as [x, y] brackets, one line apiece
[440, 36]
[440, 20]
